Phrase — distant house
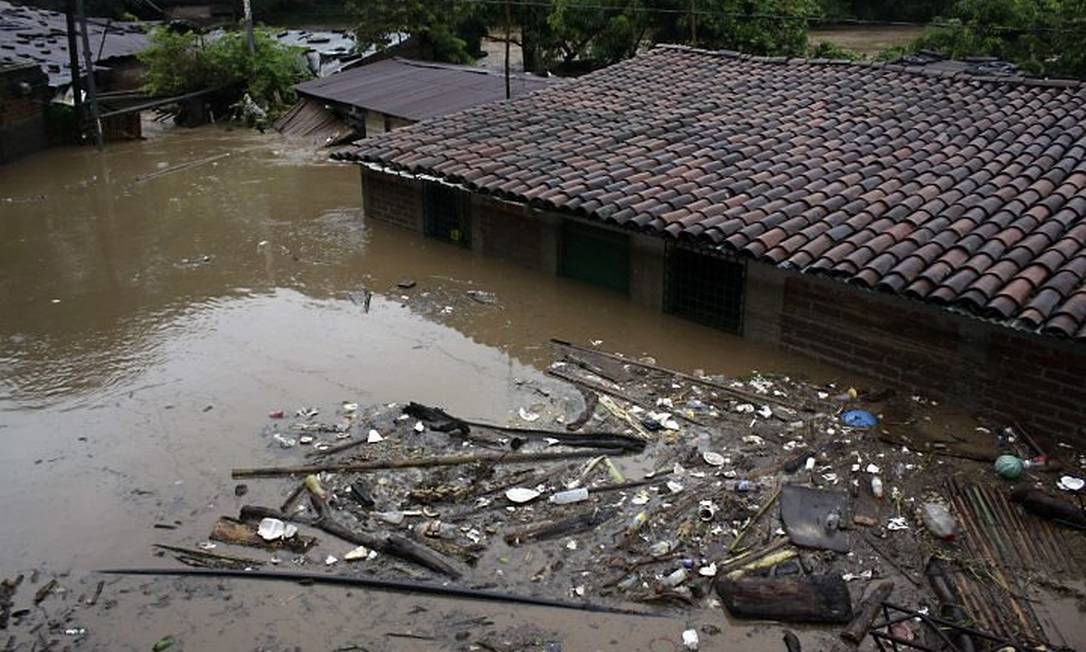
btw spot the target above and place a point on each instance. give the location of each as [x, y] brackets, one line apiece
[377, 97]
[201, 12]
[24, 92]
[38, 38]
[924, 227]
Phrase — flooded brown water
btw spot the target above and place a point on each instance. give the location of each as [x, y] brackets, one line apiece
[148, 327]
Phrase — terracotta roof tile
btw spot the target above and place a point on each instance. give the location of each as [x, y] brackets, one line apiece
[952, 189]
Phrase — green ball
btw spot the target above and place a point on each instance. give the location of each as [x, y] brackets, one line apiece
[1008, 466]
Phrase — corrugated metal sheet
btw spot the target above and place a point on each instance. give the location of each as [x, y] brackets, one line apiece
[30, 35]
[310, 121]
[417, 90]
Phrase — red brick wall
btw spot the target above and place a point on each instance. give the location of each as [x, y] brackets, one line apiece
[390, 198]
[1000, 373]
[508, 233]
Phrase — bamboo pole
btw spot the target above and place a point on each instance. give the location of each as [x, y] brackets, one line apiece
[416, 463]
[707, 382]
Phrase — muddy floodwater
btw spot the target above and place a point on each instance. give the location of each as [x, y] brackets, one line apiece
[151, 318]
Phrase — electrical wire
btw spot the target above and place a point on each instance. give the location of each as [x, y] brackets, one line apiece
[636, 8]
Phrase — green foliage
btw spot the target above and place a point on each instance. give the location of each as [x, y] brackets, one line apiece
[176, 63]
[1041, 36]
[182, 63]
[758, 27]
[883, 10]
[830, 50]
[435, 23]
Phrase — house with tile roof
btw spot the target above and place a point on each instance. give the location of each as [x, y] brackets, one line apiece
[924, 226]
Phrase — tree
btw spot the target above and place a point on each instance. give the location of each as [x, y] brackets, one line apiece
[435, 23]
[1040, 36]
[184, 62]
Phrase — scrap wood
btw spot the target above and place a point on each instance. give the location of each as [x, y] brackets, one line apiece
[813, 599]
[379, 584]
[732, 563]
[180, 166]
[766, 561]
[869, 606]
[624, 416]
[791, 642]
[1059, 511]
[206, 558]
[580, 522]
[413, 463]
[436, 416]
[7, 592]
[44, 591]
[939, 626]
[754, 519]
[976, 538]
[240, 533]
[707, 382]
[591, 400]
[390, 544]
[616, 393]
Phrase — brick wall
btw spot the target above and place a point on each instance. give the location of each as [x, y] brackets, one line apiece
[993, 370]
[19, 109]
[390, 198]
[22, 119]
[508, 232]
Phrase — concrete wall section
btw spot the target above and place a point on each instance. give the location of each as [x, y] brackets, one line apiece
[763, 300]
[375, 123]
[647, 271]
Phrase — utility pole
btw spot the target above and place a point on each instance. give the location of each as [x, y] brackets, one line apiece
[73, 65]
[508, 37]
[92, 91]
[693, 25]
[249, 26]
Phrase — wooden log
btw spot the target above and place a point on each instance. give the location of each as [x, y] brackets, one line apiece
[814, 599]
[417, 463]
[581, 522]
[240, 533]
[861, 624]
[1038, 502]
[791, 642]
[617, 393]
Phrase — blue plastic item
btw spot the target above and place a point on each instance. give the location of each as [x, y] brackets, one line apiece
[861, 419]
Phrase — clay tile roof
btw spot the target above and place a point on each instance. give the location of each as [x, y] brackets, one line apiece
[963, 191]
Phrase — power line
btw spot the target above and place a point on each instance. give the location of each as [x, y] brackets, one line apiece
[638, 8]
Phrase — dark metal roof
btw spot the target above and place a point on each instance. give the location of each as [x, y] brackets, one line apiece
[416, 90]
[39, 36]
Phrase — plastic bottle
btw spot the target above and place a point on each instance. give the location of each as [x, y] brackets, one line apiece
[636, 523]
[876, 487]
[741, 486]
[702, 442]
[676, 578]
[939, 521]
[571, 496]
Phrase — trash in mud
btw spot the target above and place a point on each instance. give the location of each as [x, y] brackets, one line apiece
[677, 490]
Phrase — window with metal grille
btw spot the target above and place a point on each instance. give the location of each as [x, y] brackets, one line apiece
[704, 287]
[446, 215]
